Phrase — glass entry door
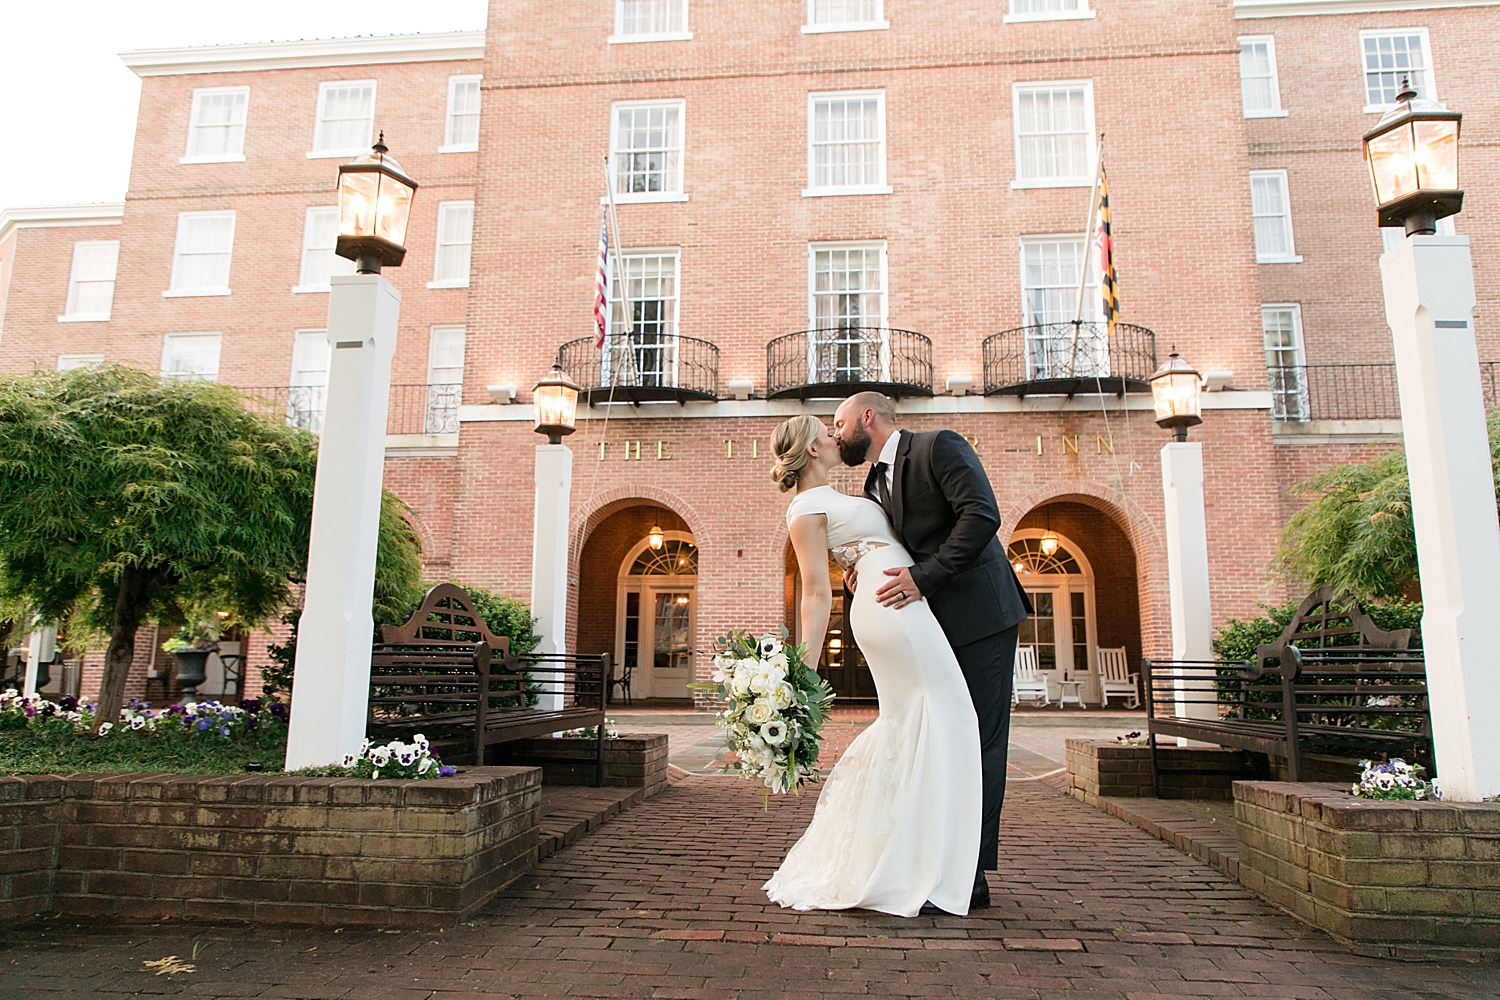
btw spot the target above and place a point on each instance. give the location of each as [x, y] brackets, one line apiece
[1059, 630]
[657, 620]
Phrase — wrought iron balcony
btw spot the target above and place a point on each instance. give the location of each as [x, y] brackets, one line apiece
[1053, 359]
[834, 362]
[642, 368]
[414, 409]
[1351, 392]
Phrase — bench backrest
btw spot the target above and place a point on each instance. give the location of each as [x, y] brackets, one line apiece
[446, 614]
[1026, 667]
[1113, 665]
[1326, 620]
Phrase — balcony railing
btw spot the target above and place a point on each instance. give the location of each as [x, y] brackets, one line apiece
[642, 368]
[1350, 392]
[831, 363]
[414, 409]
[1053, 359]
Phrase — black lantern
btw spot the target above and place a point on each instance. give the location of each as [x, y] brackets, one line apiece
[556, 400]
[1175, 394]
[374, 205]
[1413, 158]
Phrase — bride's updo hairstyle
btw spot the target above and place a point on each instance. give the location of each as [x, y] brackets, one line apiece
[789, 444]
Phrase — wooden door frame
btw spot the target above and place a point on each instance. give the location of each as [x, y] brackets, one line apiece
[626, 583]
[1065, 584]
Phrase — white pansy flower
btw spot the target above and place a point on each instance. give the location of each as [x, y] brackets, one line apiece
[759, 712]
[349, 760]
[774, 732]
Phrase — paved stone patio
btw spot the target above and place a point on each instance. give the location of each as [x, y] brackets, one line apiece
[664, 902]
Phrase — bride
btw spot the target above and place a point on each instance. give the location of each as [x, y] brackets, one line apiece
[897, 823]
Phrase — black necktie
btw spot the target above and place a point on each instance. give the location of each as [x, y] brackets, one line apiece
[882, 490]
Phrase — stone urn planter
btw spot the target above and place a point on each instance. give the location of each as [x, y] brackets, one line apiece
[192, 668]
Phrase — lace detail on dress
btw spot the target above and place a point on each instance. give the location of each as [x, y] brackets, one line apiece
[849, 554]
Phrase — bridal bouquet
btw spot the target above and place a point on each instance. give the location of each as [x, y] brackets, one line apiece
[775, 709]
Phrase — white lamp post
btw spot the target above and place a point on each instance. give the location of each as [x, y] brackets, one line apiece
[331, 678]
[556, 401]
[1175, 392]
[1429, 302]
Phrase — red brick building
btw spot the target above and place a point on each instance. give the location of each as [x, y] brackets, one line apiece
[812, 196]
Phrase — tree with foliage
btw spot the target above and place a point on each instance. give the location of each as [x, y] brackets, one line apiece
[1356, 534]
[125, 497]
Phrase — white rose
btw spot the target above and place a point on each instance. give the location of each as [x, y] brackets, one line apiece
[782, 695]
[740, 684]
[759, 712]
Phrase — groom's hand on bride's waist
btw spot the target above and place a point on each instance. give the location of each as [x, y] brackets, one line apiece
[899, 590]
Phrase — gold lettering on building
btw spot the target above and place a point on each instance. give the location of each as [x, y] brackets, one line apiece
[1038, 444]
[1070, 444]
[632, 451]
[973, 441]
[661, 452]
[602, 446]
[1101, 445]
[755, 447]
[729, 447]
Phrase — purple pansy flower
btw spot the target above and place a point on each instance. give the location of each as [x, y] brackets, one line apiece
[446, 772]
[202, 725]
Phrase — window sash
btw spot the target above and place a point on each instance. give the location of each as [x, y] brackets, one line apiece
[825, 12]
[445, 378]
[320, 232]
[1281, 330]
[1049, 301]
[847, 141]
[646, 143]
[217, 129]
[1259, 92]
[648, 354]
[346, 117]
[200, 259]
[1045, 6]
[308, 396]
[1053, 128]
[650, 17]
[91, 282]
[1387, 57]
[191, 357]
[454, 242]
[1273, 217]
[463, 112]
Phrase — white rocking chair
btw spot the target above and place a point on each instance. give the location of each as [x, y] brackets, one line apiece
[1029, 684]
[1115, 679]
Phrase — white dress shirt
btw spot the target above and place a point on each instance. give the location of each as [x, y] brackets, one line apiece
[888, 456]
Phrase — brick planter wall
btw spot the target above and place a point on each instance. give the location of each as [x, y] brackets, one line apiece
[1405, 879]
[634, 760]
[1113, 769]
[266, 848]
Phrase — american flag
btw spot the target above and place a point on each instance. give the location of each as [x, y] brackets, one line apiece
[601, 284]
[1104, 246]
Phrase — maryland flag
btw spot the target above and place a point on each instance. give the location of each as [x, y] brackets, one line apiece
[1104, 248]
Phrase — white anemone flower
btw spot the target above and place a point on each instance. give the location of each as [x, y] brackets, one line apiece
[774, 732]
[769, 645]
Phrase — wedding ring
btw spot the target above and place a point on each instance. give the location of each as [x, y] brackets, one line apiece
[903, 595]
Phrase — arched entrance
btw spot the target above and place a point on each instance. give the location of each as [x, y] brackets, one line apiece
[637, 601]
[655, 613]
[1087, 591]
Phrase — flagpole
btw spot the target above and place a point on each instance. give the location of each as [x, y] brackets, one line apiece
[614, 223]
[1088, 240]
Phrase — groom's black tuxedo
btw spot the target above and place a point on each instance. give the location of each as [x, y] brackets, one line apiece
[944, 512]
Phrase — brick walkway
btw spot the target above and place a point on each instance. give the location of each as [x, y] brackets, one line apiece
[664, 902]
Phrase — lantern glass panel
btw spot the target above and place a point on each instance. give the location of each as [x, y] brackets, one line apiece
[358, 193]
[556, 406]
[1437, 155]
[1393, 164]
[1176, 395]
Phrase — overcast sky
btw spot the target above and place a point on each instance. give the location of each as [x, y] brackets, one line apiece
[67, 121]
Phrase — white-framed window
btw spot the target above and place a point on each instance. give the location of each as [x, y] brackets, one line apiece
[455, 236]
[648, 356]
[1048, 10]
[1050, 272]
[1260, 91]
[846, 143]
[91, 284]
[461, 131]
[651, 21]
[1388, 56]
[1272, 208]
[846, 307]
[320, 233]
[1054, 134]
[193, 356]
[1286, 367]
[68, 362]
[845, 15]
[1391, 236]
[307, 398]
[445, 379]
[200, 259]
[645, 144]
[216, 131]
[346, 118]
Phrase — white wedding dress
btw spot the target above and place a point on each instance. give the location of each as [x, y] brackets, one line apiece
[897, 823]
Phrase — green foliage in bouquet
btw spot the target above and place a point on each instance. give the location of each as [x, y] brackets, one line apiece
[776, 707]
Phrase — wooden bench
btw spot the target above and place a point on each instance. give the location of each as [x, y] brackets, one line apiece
[445, 675]
[1333, 683]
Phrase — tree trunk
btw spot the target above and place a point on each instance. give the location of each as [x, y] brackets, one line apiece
[130, 604]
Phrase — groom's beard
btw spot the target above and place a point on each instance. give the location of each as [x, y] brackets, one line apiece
[854, 447]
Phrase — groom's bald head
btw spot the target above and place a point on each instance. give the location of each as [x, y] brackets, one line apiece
[861, 421]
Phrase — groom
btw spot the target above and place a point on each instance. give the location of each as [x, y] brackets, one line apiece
[940, 503]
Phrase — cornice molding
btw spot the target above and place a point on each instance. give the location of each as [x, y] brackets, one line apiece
[105, 214]
[314, 52]
[1244, 9]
